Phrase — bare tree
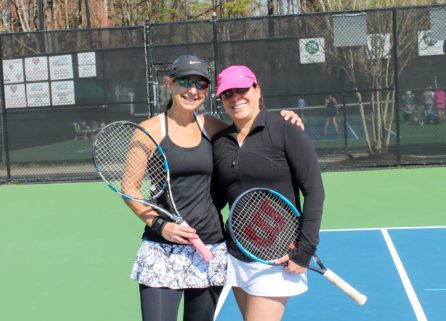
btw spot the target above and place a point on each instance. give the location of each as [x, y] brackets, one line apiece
[371, 68]
[26, 14]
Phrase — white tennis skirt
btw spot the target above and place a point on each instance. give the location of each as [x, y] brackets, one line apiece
[178, 266]
[264, 280]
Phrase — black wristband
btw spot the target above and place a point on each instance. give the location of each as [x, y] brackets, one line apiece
[301, 256]
[158, 224]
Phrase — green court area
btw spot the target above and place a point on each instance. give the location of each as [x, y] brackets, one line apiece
[71, 150]
[428, 134]
[66, 249]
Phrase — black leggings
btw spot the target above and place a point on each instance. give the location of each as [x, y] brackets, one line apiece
[161, 304]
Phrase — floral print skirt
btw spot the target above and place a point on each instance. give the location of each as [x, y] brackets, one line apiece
[178, 266]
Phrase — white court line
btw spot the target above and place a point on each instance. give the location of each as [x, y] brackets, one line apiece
[352, 131]
[387, 228]
[89, 149]
[416, 306]
[221, 300]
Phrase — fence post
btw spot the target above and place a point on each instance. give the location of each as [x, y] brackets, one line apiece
[87, 14]
[215, 101]
[148, 50]
[344, 113]
[41, 15]
[396, 85]
[4, 126]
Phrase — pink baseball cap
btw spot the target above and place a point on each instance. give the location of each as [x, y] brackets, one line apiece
[235, 77]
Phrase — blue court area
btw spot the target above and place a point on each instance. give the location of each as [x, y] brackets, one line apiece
[400, 270]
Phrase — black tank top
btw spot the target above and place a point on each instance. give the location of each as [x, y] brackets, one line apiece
[190, 175]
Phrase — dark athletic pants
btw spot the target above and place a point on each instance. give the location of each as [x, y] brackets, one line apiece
[161, 304]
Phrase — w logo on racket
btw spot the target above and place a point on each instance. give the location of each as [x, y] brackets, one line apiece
[265, 226]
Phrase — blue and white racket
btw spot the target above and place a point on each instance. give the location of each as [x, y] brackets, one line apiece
[132, 163]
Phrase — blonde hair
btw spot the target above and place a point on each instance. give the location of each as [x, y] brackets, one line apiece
[168, 80]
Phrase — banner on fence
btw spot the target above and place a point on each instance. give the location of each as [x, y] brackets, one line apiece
[427, 46]
[312, 50]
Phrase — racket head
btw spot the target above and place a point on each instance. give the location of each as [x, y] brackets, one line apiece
[264, 224]
[130, 161]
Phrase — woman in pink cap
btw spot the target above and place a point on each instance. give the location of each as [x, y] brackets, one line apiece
[261, 150]
[167, 266]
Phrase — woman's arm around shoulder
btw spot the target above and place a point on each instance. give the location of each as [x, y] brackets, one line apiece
[153, 126]
[212, 124]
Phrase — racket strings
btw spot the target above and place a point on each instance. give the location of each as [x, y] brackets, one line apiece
[265, 225]
[130, 161]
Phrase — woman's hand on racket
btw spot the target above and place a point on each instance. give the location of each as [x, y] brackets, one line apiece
[177, 233]
[290, 266]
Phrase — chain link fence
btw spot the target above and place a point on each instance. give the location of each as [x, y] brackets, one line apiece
[384, 68]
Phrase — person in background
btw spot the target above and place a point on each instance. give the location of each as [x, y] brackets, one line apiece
[440, 103]
[409, 100]
[301, 107]
[261, 150]
[331, 111]
[428, 99]
[167, 266]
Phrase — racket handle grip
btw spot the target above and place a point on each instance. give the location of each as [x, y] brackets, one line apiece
[345, 287]
[199, 246]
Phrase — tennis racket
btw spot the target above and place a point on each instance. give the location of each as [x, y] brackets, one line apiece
[265, 226]
[132, 163]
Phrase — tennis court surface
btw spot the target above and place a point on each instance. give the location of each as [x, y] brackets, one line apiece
[398, 269]
[66, 251]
